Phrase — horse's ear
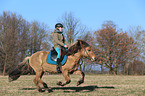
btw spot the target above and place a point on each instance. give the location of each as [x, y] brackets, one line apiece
[82, 43]
[79, 42]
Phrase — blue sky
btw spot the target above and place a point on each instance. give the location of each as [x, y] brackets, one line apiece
[92, 13]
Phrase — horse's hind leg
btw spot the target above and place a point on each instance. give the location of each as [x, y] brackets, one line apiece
[44, 84]
[38, 80]
[78, 72]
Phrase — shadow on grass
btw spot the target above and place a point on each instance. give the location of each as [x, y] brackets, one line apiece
[76, 89]
[28, 89]
[82, 88]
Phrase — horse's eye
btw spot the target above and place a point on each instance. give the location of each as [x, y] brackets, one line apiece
[89, 50]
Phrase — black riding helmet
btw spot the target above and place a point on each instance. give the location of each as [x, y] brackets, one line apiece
[59, 25]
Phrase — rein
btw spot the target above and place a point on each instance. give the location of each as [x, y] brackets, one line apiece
[83, 56]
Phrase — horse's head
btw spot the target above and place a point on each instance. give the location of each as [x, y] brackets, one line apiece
[87, 51]
[84, 48]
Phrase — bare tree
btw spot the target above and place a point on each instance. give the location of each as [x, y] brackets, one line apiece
[72, 27]
[138, 35]
[47, 42]
[136, 68]
[10, 26]
[37, 36]
[18, 38]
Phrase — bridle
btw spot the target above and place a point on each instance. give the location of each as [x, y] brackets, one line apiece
[86, 53]
[83, 56]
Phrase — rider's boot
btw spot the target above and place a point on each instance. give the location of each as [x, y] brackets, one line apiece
[58, 68]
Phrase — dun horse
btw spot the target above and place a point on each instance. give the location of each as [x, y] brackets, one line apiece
[38, 62]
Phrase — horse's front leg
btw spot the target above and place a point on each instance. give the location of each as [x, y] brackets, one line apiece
[67, 78]
[78, 72]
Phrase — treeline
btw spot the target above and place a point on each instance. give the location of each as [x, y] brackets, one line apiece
[117, 51]
[18, 39]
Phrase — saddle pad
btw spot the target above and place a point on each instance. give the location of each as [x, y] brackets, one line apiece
[50, 61]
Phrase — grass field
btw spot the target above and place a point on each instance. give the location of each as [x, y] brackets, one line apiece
[94, 85]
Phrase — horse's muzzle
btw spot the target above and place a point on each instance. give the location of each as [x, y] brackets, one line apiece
[93, 59]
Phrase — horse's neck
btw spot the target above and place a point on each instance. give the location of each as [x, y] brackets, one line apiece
[76, 57]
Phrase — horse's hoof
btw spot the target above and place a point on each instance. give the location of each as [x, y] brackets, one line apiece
[59, 83]
[49, 90]
[41, 90]
[80, 82]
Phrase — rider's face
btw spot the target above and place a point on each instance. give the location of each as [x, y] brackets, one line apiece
[60, 29]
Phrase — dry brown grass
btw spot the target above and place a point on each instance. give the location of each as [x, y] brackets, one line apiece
[95, 85]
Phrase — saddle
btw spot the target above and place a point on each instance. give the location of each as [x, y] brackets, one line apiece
[52, 56]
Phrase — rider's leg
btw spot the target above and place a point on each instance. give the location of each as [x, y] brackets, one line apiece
[58, 68]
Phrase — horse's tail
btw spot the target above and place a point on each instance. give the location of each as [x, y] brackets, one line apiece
[21, 69]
